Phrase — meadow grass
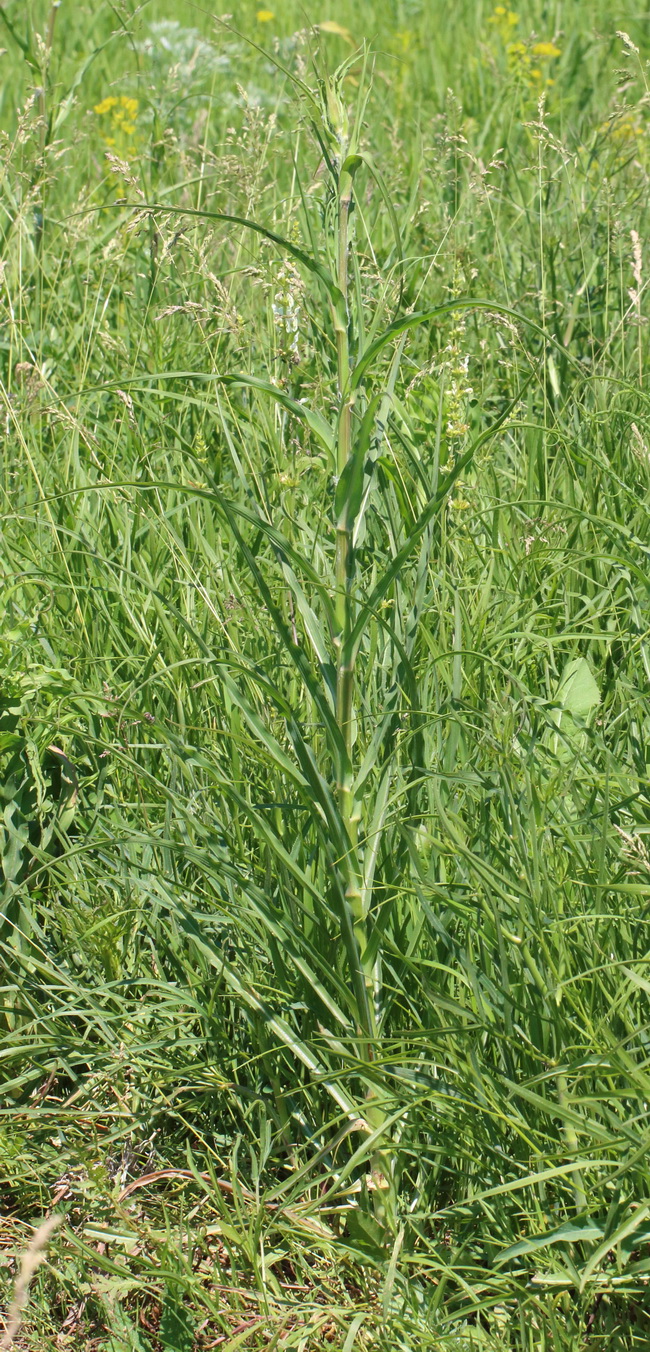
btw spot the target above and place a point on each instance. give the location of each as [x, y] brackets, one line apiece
[324, 676]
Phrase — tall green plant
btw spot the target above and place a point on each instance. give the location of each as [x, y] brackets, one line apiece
[353, 890]
[345, 783]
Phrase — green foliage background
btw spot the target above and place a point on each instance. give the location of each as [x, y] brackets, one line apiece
[372, 994]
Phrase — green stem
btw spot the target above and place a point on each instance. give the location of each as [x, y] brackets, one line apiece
[345, 615]
[344, 565]
[344, 573]
[573, 1144]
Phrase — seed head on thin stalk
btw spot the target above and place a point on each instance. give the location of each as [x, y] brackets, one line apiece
[30, 1262]
[287, 308]
[635, 292]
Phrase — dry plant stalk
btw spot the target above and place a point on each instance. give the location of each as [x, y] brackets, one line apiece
[31, 1260]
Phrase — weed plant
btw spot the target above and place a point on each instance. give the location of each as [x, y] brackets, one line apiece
[324, 675]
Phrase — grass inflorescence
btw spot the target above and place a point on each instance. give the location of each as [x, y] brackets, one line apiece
[324, 675]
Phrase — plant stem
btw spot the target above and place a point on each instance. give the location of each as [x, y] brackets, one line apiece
[344, 579]
[344, 564]
[344, 614]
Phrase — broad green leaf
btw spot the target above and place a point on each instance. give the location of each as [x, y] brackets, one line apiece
[624, 1231]
[577, 691]
[567, 1233]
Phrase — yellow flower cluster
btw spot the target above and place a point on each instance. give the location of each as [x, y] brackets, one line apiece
[623, 127]
[523, 58]
[265, 15]
[121, 113]
[625, 135]
[503, 19]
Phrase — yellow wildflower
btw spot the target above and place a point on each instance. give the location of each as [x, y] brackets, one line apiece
[104, 107]
[623, 128]
[120, 109]
[265, 15]
[503, 18]
[546, 50]
[626, 127]
[120, 124]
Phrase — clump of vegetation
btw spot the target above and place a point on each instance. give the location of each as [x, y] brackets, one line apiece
[324, 677]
